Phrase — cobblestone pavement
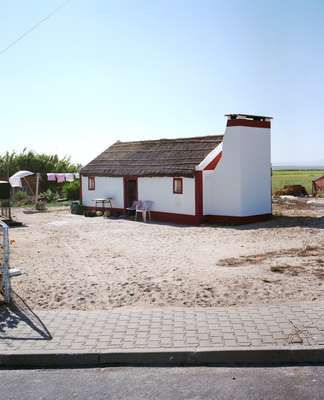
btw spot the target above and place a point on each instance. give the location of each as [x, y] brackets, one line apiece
[161, 329]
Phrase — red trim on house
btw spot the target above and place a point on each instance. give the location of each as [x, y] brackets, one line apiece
[228, 220]
[199, 196]
[94, 182]
[271, 190]
[249, 122]
[212, 165]
[184, 219]
[125, 179]
[80, 189]
[211, 219]
[156, 215]
[181, 185]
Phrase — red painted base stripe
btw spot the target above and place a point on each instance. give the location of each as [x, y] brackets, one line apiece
[230, 220]
[157, 216]
[175, 218]
[186, 219]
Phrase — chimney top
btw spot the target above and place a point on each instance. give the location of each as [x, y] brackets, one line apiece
[248, 117]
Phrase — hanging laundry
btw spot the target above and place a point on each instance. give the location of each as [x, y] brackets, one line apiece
[60, 178]
[69, 177]
[51, 177]
[76, 175]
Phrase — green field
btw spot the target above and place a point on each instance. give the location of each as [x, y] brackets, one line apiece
[294, 177]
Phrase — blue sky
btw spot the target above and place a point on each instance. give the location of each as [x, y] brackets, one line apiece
[102, 70]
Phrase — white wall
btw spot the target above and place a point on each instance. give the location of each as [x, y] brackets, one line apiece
[160, 191]
[241, 183]
[157, 189]
[105, 187]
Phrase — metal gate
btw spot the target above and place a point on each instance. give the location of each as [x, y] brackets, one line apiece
[5, 209]
[4, 263]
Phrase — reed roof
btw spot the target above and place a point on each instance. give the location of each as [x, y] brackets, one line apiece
[164, 157]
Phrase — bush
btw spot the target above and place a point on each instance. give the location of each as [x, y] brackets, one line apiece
[41, 206]
[20, 198]
[71, 190]
[49, 195]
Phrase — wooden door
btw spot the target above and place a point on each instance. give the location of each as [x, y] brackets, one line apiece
[130, 191]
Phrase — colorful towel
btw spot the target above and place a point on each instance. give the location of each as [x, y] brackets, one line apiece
[51, 177]
[60, 178]
[69, 177]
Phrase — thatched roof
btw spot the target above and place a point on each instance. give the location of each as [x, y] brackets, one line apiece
[164, 157]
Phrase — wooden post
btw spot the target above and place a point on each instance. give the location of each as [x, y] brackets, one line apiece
[37, 187]
[28, 185]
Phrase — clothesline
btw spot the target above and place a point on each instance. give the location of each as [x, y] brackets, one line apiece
[62, 177]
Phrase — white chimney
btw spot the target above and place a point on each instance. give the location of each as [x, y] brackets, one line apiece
[240, 185]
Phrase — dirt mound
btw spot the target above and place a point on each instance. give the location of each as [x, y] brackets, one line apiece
[292, 190]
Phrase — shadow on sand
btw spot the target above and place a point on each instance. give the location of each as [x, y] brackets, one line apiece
[274, 222]
[18, 312]
[284, 222]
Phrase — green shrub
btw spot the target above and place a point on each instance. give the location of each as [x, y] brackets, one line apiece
[71, 190]
[20, 198]
[49, 195]
[41, 206]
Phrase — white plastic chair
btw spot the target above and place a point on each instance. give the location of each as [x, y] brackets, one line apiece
[145, 209]
[134, 205]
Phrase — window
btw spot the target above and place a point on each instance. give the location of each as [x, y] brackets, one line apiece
[91, 183]
[177, 186]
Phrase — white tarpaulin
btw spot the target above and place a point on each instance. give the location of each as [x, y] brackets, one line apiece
[15, 179]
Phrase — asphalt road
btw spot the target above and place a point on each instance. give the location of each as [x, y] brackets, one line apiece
[295, 383]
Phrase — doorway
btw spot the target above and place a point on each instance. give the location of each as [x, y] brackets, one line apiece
[130, 191]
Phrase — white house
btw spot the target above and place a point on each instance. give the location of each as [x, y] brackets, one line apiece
[224, 178]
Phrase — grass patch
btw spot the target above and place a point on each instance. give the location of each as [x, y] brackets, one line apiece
[66, 203]
[49, 205]
[280, 178]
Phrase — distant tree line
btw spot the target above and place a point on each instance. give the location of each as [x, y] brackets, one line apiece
[29, 160]
[35, 162]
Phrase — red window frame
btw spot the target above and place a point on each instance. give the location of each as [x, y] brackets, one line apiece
[174, 185]
[92, 185]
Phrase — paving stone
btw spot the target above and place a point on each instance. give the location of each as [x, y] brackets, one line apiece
[161, 328]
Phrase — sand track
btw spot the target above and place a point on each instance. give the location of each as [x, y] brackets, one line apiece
[93, 263]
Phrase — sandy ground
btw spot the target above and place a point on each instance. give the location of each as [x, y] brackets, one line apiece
[70, 261]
